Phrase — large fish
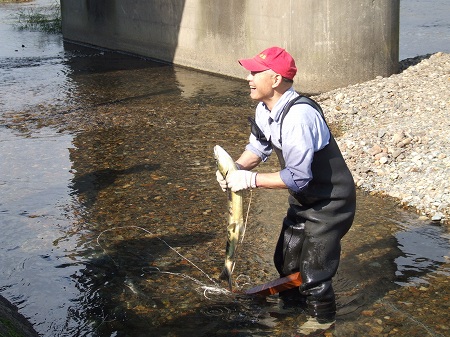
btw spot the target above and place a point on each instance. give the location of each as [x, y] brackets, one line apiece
[235, 229]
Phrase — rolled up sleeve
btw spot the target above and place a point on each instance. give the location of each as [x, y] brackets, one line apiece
[262, 149]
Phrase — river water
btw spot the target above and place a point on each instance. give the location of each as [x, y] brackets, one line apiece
[112, 223]
[424, 27]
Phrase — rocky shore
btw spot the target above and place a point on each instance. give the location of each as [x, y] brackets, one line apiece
[395, 132]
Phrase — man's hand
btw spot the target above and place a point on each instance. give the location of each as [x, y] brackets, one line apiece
[222, 182]
[241, 180]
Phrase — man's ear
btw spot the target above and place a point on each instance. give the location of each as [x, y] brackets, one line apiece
[278, 79]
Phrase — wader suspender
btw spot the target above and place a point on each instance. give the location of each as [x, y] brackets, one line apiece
[256, 131]
[300, 100]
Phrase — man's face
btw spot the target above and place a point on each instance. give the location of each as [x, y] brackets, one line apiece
[262, 85]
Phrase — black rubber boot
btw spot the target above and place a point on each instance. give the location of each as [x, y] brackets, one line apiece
[324, 312]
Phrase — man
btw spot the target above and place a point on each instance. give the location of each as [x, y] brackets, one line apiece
[322, 191]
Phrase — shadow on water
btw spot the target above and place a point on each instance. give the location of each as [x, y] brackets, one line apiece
[433, 244]
[90, 184]
[135, 283]
[132, 241]
[141, 285]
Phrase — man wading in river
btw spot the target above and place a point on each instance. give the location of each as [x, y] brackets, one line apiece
[322, 197]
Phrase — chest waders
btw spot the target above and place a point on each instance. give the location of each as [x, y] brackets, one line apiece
[317, 219]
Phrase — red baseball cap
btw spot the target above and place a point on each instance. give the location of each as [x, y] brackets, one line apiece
[275, 58]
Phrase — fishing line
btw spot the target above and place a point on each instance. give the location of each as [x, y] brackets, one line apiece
[246, 216]
[207, 289]
[407, 315]
[246, 281]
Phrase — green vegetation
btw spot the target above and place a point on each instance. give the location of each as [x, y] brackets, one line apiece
[8, 329]
[42, 19]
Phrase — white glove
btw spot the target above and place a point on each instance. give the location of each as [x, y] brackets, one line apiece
[241, 180]
[222, 182]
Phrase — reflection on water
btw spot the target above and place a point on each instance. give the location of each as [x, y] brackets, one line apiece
[112, 222]
[34, 196]
[423, 247]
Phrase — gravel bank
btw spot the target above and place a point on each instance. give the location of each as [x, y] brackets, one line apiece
[396, 134]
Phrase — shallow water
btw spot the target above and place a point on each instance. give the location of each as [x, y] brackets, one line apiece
[112, 223]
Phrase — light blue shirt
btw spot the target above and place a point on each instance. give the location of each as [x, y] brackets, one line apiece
[304, 132]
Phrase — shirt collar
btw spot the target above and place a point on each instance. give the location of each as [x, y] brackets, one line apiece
[289, 95]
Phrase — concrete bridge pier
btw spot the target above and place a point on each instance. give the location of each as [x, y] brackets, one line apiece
[335, 42]
[345, 42]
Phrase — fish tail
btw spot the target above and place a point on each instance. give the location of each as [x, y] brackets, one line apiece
[226, 275]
